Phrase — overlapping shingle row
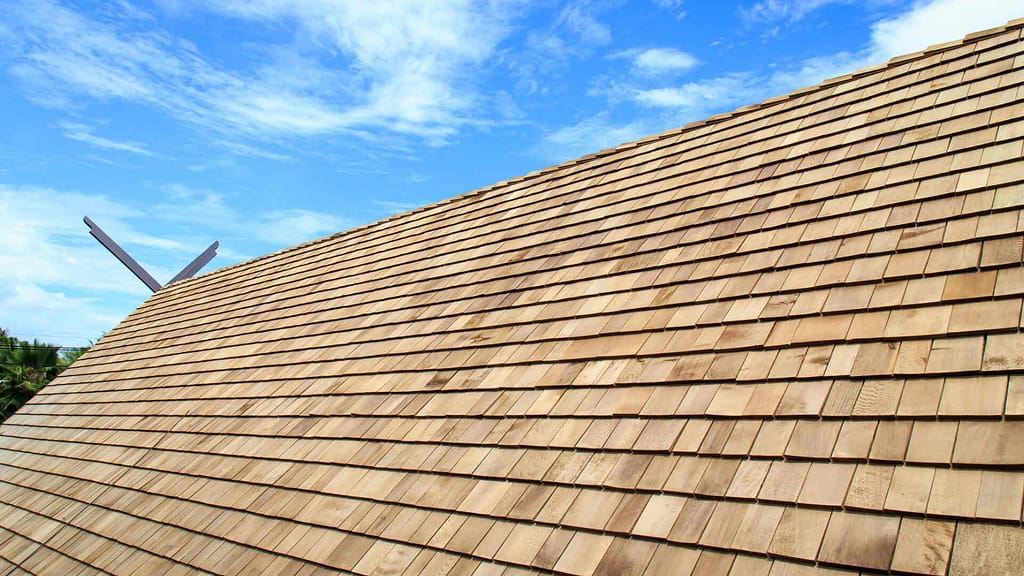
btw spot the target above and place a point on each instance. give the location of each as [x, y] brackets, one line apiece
[784, 340]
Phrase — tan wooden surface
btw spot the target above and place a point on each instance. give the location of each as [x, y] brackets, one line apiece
[785, 340]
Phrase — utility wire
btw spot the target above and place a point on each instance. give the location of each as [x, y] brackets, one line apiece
[20, 346]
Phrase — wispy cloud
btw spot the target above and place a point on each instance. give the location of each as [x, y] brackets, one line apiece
[395, 207]
[924, 24]
[929, 23]
[83, 133]
[70, 319]
[573, 34]
[578, 16]
[55, 274]
[696, 98]
[288, 227]
[404, 67]
[659, 61]
[811, 71]
[663, 103]
[410, 63]
[45, 240]
[675, 6]
[589, 135]
[218, 214]
[770, 11]
[241, 149]
[94, 159]
[662, 106]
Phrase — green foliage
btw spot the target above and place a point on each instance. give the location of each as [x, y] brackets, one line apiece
[25, 367]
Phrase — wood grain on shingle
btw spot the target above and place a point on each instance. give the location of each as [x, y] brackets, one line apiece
[782, 341]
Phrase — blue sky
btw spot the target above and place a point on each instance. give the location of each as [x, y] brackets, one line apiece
[265, 123]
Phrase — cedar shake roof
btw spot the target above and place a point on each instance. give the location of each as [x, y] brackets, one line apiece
[782, 341]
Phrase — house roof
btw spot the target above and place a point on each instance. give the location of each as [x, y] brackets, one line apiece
[781, 341]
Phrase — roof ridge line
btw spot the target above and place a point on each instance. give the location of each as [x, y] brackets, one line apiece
[1016, 23]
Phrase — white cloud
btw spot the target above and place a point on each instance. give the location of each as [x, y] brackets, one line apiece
[696, 98]
[923, 25]
[667, 104]
[929, 23]
[926, 23]
[405, 67]
[394, 207]
[587, 136]
[287, 113]
[814, 70]
[289, 227]
[411, 60]
[60, 284]
[574, 34]
[30, 311]
[63, 58]
[83, 133]
[45, 241]
[216, 213]
[775, 10]
[198, 208]
[94, 159]
[578, 17]
[506, 108]
[673, 6]
[656, 61]
[241, 149]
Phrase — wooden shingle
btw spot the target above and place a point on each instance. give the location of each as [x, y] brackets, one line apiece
[782, 341]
